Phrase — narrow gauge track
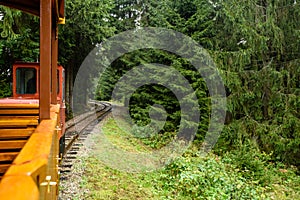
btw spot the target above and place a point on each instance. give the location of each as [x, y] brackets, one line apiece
[76, 132]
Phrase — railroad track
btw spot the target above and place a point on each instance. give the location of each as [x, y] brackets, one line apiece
[77, 130]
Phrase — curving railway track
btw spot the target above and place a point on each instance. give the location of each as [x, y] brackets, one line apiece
[77, 129]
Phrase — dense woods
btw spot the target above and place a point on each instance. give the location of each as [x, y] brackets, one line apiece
[254, 43]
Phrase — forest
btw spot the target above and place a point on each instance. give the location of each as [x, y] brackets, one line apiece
[255, 45]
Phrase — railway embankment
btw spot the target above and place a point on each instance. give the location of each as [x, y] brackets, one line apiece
[186, 177]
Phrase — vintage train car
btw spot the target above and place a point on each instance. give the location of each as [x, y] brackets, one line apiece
[32, 120]
[25, 87]
[19, 119]
[25, 92]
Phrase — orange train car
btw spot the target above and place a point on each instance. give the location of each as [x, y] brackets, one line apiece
[32, 120]
[25, 87]
[19, 119]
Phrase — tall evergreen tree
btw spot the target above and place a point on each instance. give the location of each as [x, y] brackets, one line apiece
[256, 45]
[87, 24]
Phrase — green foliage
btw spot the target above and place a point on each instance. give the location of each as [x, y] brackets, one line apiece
[148, 95]
[255, 46]
[19, 41]
[252, 163]
[5, 89]
[19, 36]
[245, 174]
[208, 179]
[87, 24]
[241, 175]
[252, 46]
[69, 113]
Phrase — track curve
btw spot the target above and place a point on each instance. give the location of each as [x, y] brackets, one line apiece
[76, 132]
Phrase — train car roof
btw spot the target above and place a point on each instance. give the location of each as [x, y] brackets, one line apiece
[33, 6]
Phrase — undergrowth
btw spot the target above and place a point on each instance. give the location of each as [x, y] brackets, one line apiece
[239, 174]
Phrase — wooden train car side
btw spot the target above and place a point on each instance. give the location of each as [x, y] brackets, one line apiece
[19, 124]
[32, 121]
[33, 174]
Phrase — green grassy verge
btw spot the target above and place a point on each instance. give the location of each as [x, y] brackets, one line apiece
[245, 174]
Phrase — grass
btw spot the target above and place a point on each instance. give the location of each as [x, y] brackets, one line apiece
[108, 183]
[236, 175]
[105, 182]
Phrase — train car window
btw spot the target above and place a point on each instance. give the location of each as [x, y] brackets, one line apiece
[26, 80]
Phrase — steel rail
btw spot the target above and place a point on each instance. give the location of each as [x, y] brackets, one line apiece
[81, 122]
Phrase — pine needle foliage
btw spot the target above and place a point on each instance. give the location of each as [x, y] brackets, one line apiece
[255, 45]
